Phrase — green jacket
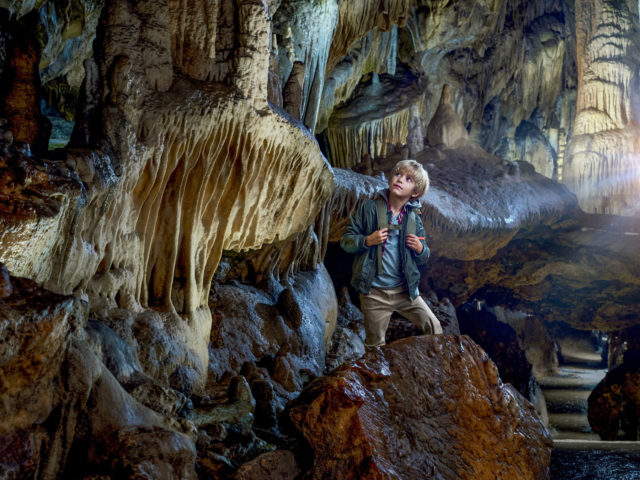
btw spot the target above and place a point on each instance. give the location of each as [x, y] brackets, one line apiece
[364, 222]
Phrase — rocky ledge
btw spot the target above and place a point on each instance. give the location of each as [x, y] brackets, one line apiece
[421, 407]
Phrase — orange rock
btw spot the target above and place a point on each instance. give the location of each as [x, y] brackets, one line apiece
[421, 407]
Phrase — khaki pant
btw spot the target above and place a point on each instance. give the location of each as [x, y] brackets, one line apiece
[380, 304]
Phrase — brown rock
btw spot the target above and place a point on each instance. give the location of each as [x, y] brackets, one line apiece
[293, 91]
[140, 453]
[20, 87]
[284, 371]
[278, 465]
[446, 127]
[35, 333]
[614, 405]
[423, 407]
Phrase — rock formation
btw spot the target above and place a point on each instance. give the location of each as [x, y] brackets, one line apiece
[430, 406]
[445, 128]
[602, 162]
[614, 405]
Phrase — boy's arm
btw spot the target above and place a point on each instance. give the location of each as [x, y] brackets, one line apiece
[421, 259]
[353, 239]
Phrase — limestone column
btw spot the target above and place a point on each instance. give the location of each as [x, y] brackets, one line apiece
[602, 165]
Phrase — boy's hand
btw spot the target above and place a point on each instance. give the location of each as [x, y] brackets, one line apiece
[414, 243]
[377, 237]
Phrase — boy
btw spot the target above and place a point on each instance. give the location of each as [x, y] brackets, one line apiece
[388, 238]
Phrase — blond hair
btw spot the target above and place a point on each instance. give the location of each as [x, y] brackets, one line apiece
[415, 171]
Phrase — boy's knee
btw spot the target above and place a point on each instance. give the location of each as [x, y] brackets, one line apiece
[437, 327]
[434, 323]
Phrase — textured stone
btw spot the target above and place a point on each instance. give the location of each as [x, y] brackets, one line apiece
[376, 52]
[36, 327]
[305, 31]
[292, 92]
[70, 30]
[138, 190]
[445, 127]
[582, 275]
[60, 402]
[461, 422]
[347, 343]
[6, 287]
[20, 85]
[501, 344]
[614, 405]
[535, 339]
[278, 465]
[376, 114]
[237, 413]
[250, 326]
[601, 163]
[160, 399]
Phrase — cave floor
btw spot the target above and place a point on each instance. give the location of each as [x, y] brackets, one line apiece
[579, 454]
[595, 460]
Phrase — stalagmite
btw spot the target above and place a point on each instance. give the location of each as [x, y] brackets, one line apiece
[445, 127]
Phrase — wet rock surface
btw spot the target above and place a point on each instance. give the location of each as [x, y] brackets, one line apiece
[592, 464]
[421, 407]
[614, 405]
[286, 332]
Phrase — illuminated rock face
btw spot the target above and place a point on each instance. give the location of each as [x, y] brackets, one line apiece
[602, 166]
[430, 406]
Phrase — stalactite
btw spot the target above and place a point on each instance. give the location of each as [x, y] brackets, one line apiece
[359, 17]
[349, 143]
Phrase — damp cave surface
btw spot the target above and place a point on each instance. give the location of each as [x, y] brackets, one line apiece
[569, 464]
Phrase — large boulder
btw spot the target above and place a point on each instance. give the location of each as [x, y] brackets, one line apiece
[422, 407]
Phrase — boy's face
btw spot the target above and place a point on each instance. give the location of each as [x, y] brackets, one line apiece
[402, 186]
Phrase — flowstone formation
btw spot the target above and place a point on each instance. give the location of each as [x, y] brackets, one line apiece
[510, 66]
[603, 154]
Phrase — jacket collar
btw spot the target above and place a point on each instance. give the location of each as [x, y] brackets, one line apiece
[415, 203]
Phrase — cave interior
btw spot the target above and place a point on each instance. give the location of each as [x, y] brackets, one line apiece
[176, 176]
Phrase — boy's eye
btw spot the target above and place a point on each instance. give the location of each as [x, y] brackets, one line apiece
[409, 179]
